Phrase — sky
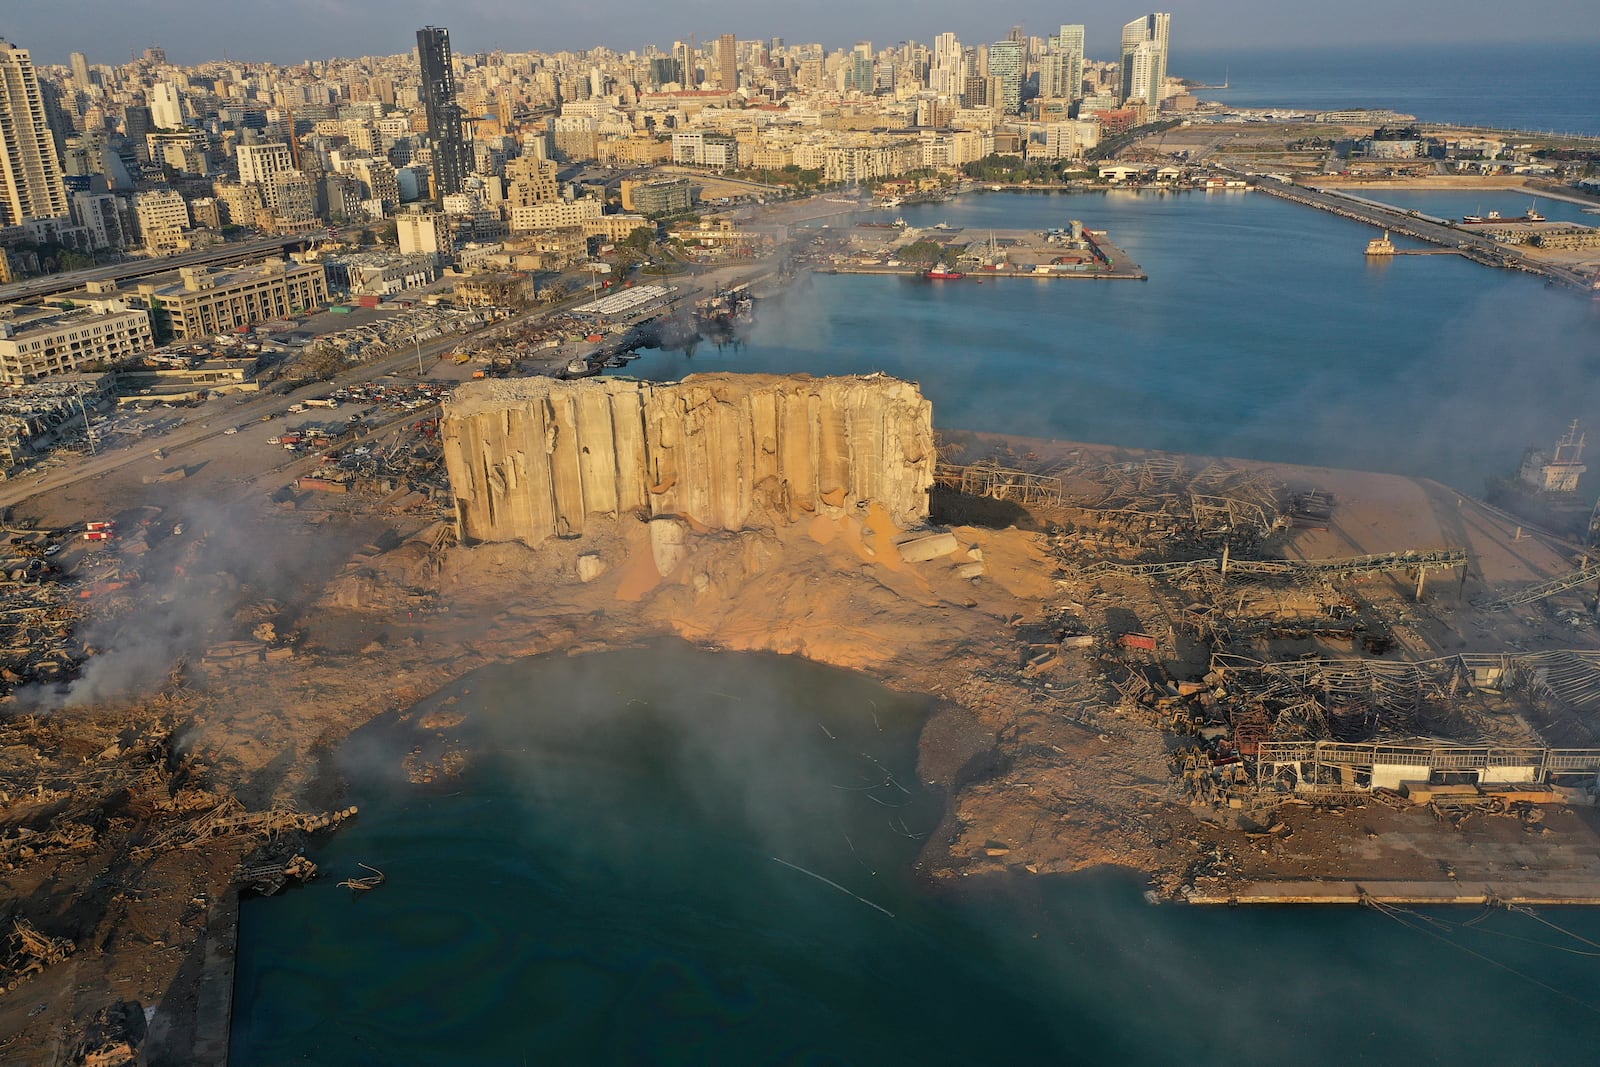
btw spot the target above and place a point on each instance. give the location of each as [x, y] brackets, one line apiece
[290, 31]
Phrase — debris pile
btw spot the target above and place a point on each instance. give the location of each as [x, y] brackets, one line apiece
[28, 952]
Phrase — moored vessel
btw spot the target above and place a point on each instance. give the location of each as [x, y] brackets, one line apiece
[1531, 215]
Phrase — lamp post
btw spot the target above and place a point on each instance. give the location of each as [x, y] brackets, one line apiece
[88, 430]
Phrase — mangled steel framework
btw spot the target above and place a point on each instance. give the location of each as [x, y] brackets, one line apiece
[1287, 714]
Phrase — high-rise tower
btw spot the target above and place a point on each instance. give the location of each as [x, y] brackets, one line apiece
[30, 172]
[1007, 66]
[451, 160]
[727, 51]
[1061, 72]
[166, 106]
[1144, 59]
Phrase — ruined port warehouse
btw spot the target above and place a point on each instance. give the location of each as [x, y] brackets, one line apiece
[1195, 668]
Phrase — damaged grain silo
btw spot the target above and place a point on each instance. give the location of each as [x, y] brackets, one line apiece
[536, 457]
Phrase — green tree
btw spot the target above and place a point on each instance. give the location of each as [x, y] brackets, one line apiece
[640, 239]
[926, 251]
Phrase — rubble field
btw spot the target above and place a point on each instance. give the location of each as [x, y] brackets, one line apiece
[1113, 637]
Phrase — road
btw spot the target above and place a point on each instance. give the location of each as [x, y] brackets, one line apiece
[209, 423]
[241, 252]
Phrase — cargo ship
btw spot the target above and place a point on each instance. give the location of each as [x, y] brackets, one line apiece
[941, 273]
[1494, 216]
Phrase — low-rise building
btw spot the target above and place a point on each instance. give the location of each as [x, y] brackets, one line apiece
[38, 342]
[494, 289]
[380, 273]
[555, 215]
[163, 216]
[616, 227]
[662, 196]
[718, 151]
[423, 233]
[201, 302]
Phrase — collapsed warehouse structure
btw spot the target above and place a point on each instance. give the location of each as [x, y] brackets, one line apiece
[1201, 552]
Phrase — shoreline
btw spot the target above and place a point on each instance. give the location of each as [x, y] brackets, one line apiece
[365, 643]
[530, 602]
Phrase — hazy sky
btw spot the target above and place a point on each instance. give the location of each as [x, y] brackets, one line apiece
[287, 31]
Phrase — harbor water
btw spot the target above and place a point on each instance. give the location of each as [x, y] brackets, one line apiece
[679, 857]
[669, 856]
[1263, 332]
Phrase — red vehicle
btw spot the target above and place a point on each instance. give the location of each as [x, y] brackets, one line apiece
[99, 525]
[98, 535]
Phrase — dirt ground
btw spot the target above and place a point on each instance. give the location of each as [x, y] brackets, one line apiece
[1046, 768]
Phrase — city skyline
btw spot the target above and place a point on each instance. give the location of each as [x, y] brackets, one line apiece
[196, 31]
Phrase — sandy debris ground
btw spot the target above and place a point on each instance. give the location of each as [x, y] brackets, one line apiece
[1046, 773]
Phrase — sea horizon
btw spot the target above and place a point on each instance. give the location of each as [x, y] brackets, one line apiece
[1531, 90]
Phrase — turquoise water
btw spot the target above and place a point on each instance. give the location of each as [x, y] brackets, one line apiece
[601, 887]
[1263, 332]
[604, 885]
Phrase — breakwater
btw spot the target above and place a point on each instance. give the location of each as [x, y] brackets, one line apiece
[1476, 247]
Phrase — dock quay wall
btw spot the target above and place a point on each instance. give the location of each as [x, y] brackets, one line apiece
[534, 458]
[1475, 247]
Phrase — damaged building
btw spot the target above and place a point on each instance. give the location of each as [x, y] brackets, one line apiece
[535, 458]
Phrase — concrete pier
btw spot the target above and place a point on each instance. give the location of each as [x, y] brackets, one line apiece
[1475, 246]
[1408, 893]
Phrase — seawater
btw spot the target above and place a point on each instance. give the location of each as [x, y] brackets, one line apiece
[1263, 333]
[603, 885]
[1505, 86]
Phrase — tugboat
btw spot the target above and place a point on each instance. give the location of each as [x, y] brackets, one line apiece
[941, 273]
